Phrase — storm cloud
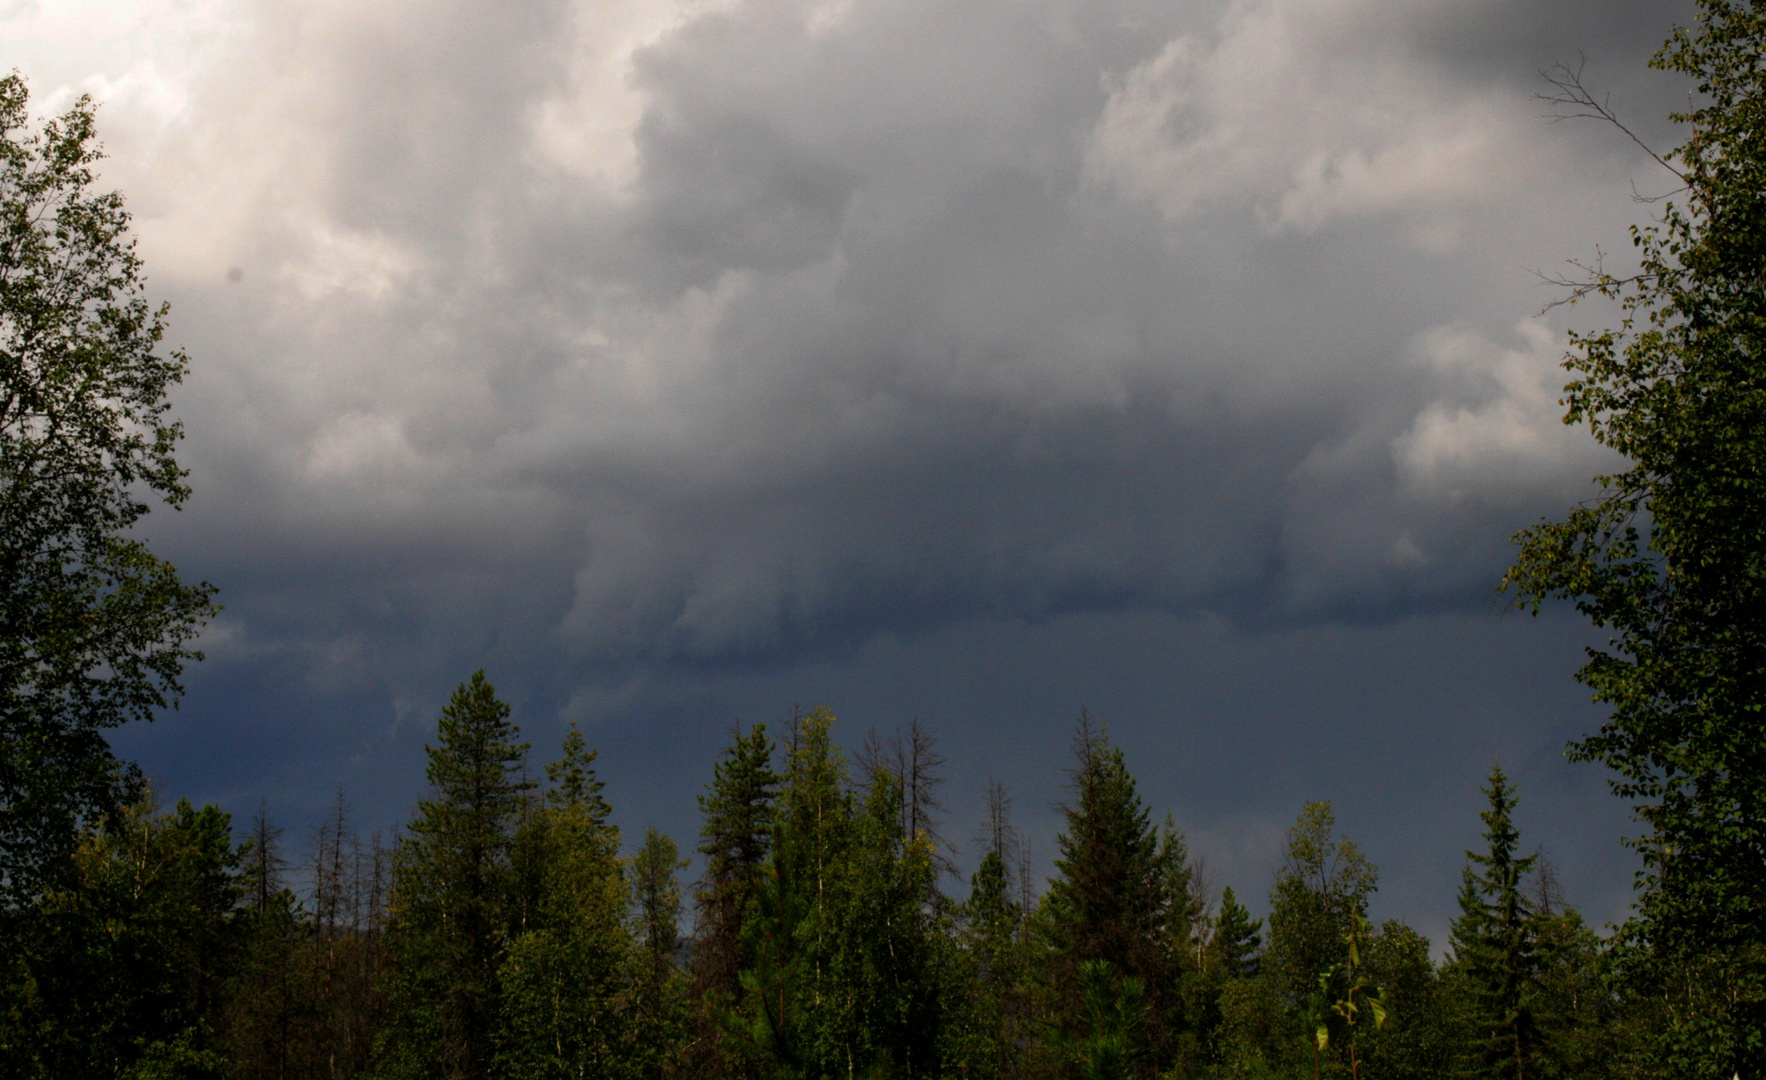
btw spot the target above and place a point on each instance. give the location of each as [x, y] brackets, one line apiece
[654, 354]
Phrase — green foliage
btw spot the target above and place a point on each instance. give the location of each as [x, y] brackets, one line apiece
[1362, 1004]
[1121, 895]
[988, 1023]
[571, 977]
[1417, 1039]
[1670, 558]
[454, 893]
[1235, 939]
[845, 955]
[94, 629]
[1312, 995]
[1322, 888]
[1580, 1019]
[123, 966]
[735, 839]
[789, 1017]
[1494, 945]
[1109, 1042]
[661, 993]
[171, 952]
[657, 897]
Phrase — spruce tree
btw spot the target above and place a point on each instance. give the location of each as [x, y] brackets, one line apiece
[1113, 897]
[453, 895]
[735, 838]
[1235, 939]
[1494, 941]
[890, 946]
[1227, 958]
[791, 1014]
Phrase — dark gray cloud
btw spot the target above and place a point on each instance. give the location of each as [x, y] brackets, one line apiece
[676, 361]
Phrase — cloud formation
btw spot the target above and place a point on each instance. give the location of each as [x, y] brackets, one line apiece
[612, 336]
[783, 321]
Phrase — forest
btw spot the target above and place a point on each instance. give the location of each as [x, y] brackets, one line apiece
[508, 929]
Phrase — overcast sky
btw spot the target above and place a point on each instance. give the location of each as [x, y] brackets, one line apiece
[682, 361]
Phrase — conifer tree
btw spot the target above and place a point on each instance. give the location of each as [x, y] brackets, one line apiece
[1578, 1016]
[988, 1021]
[657, 897]
[124, 966]
[1108, 1044]
[1227, 959]
[571, 978]
[790, 1015]
[735, 839]
[1235, 937]
[661, 991]
[1494, 941]
[453, 895]
[1113, 897]
[263, 1019]
[890, 939]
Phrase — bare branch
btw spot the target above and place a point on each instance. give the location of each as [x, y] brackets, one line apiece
[1572, 100]
[1592, 279]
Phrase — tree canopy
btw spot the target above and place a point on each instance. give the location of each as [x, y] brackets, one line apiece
[94, 628]
[1670, 556]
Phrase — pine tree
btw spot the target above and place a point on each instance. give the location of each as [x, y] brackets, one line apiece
[662, 1017]
[453, 895]
[1234, 940]
[1494, 940]
[1114, 897]
[1108, 1045]
[735, 839]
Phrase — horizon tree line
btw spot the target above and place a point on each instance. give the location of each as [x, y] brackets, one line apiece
[507, 930]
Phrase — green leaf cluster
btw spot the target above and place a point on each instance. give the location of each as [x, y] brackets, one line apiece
[1670, 556]
[94, 628]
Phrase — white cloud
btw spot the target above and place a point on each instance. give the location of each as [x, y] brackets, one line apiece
[1311, 111]
[1502, 436]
